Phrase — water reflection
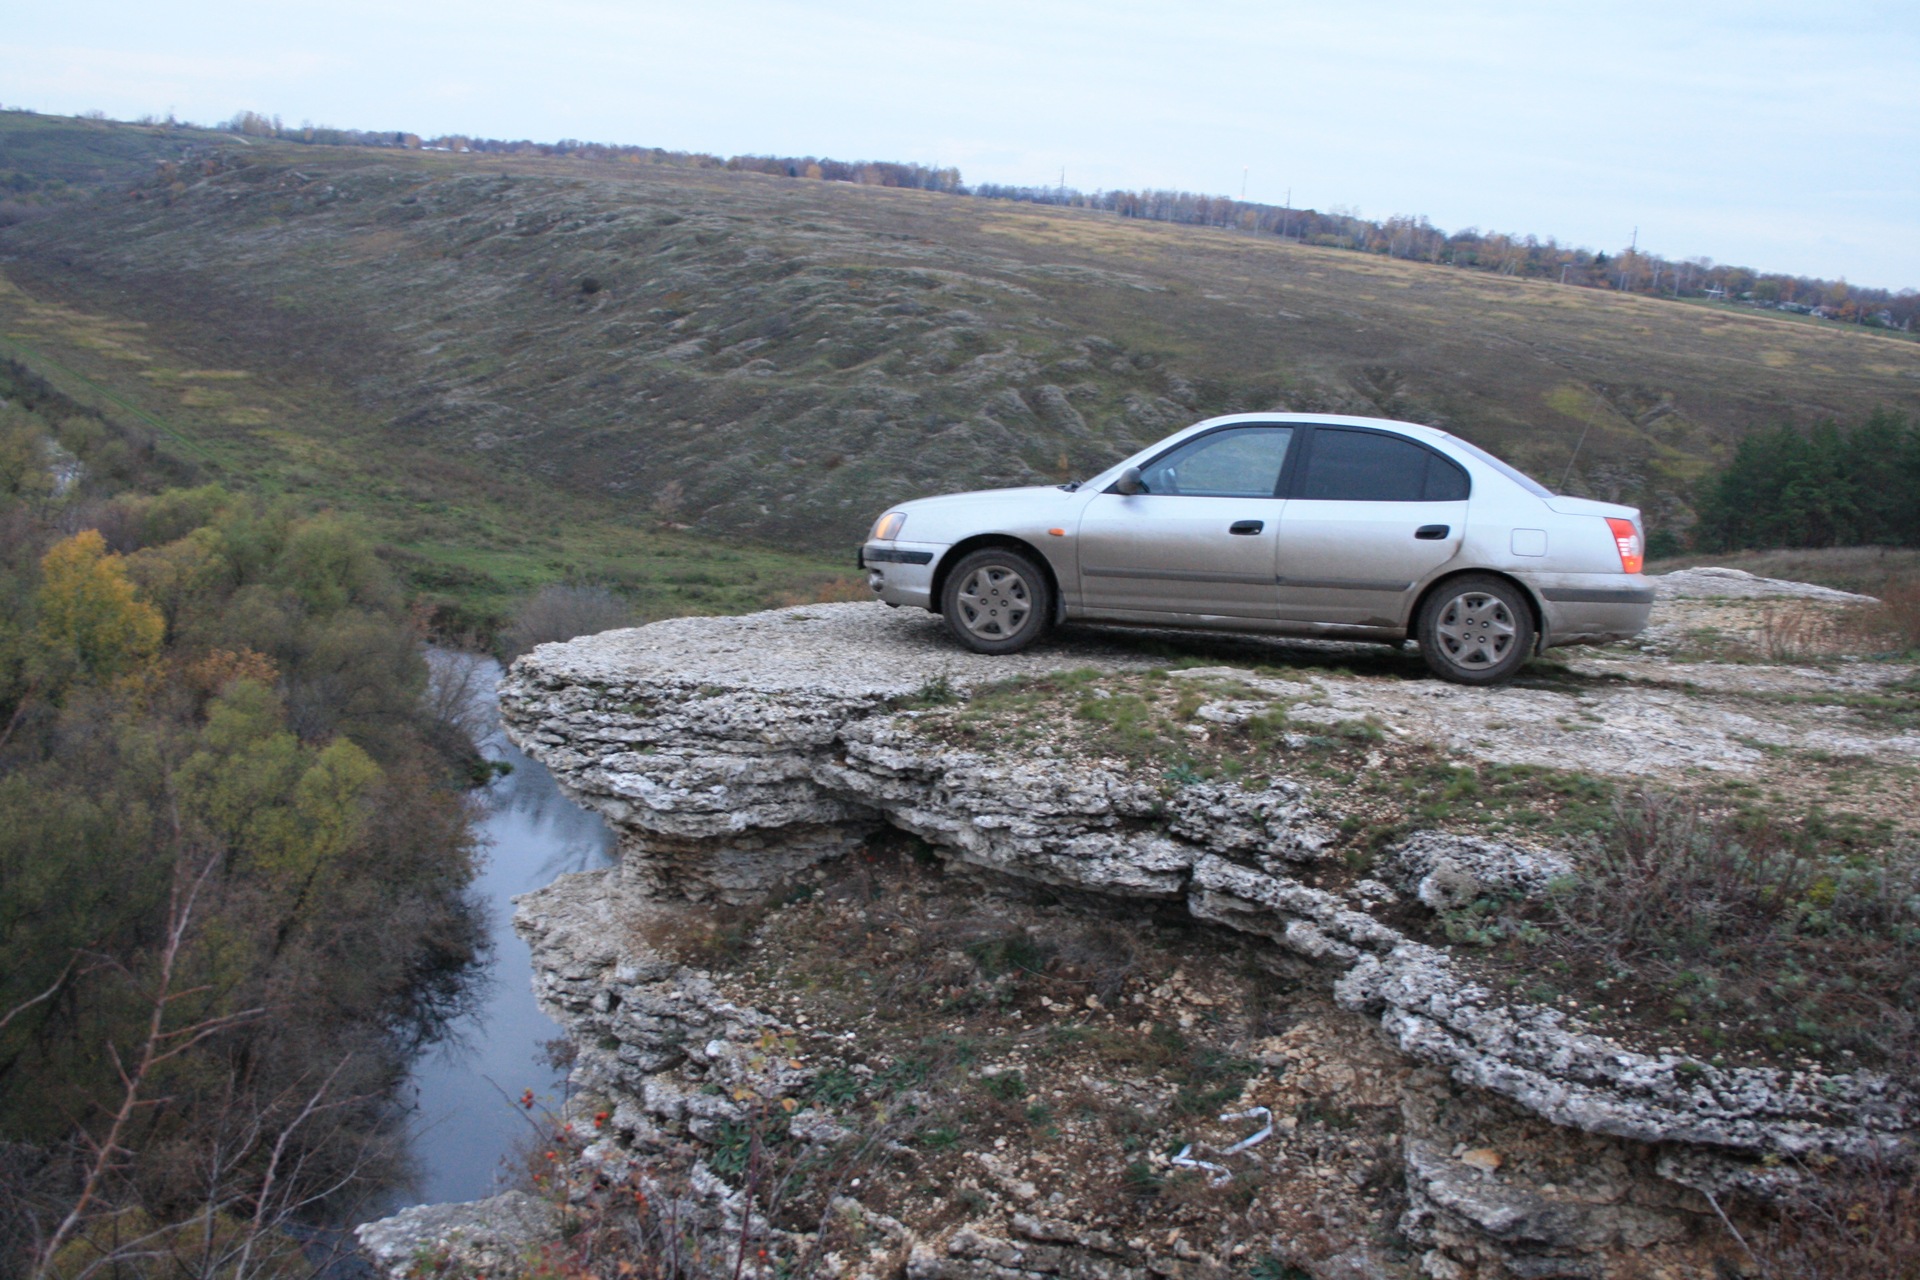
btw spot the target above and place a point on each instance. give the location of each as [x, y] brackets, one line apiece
[466, 1088]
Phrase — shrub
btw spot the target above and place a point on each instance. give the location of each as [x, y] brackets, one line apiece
[557, 612]
[1777, 931]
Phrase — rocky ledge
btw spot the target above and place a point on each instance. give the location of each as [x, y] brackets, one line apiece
[733, 754]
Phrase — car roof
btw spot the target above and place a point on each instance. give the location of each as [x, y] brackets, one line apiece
[1465, 456]
[1325, 420]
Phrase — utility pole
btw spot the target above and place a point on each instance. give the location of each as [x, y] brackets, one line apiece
[1244, 171]
[1287, 217]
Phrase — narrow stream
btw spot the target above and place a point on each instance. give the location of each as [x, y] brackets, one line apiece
[466, 1089]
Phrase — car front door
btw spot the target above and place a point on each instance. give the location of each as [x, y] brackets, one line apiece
[1199, 540]
[1370, 516]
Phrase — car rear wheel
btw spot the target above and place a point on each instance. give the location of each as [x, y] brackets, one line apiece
[1475, 630]
[997, 600]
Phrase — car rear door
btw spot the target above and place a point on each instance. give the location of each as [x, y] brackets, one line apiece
[1370, 515]
[1200, 541]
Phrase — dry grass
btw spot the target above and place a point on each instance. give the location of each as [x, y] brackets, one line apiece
[1897, 616]
[1854, 1222]
[825, 589]
[1796, 631]
[1077, 1042]
[1801, 631]
[1751, 933]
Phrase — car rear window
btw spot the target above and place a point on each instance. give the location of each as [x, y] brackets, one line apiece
[1370, 466]
[1446, 480]
[1511, 472]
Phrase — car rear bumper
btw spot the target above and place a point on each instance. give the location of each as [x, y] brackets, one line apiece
[901, 572]
[1591, 608]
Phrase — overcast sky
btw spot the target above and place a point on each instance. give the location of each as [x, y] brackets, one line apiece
[1777, 135]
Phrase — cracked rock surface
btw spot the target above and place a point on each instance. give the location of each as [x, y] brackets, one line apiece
[733, 753]
[491, 1236]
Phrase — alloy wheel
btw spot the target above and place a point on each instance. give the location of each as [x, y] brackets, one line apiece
[994, 601]
[1476, 630]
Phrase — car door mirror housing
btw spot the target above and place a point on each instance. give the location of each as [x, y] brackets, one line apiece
[1130, 482]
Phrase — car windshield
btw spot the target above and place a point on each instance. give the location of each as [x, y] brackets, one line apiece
[1512, 473]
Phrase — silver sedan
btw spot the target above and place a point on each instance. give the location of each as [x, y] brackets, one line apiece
[1295, 524]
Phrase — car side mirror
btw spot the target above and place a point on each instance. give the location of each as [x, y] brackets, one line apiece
[1130, 482]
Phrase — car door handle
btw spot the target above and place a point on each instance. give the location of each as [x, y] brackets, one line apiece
[1432, 532]
[1246, 526]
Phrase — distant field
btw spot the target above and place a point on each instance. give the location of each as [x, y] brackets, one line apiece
[438, 337]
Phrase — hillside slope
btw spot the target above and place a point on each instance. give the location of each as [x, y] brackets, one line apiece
[48, 158]
[780, 358]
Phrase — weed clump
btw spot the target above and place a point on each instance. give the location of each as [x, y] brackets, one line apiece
[938, 691]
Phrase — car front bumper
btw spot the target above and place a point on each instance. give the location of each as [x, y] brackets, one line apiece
[901, 572]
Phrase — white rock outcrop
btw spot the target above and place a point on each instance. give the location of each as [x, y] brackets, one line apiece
[1712, 582]
[729, 752]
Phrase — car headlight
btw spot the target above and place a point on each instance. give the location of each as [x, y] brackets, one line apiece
[887, 527]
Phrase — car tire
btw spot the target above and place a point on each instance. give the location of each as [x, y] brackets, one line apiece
[1476, 629]
[997, 600]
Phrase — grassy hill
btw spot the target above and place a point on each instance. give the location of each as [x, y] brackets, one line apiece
[775, 359]
[60, 156]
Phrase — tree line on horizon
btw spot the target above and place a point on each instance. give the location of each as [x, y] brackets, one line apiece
[1407, 237]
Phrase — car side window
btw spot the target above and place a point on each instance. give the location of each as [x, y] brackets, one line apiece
[1446, 480]
[1371, 466]
[1241, 462]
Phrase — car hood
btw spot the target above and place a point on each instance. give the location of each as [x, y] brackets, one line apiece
[953, 516]
[1026, 493]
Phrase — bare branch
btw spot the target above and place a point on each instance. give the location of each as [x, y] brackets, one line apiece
[152, 1052]
[313, 1106]
[48, 994]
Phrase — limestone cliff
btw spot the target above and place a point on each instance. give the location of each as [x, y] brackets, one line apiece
[736, 755]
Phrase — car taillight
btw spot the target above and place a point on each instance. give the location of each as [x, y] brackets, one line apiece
[1627, 538]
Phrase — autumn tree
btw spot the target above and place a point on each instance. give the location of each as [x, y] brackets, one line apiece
[90, 626]
[233, 861]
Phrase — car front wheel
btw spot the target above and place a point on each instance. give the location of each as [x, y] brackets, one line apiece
[997, 600]
[1475, 630]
